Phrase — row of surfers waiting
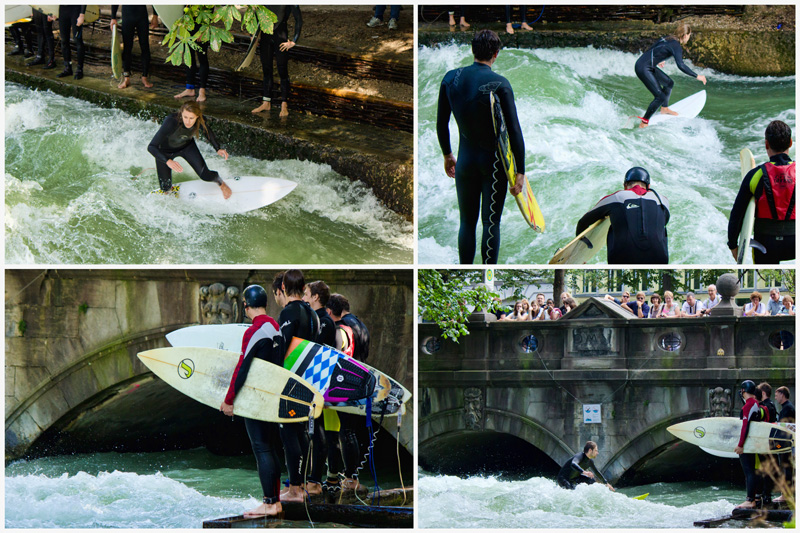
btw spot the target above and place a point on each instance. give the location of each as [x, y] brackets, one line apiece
[638, 214]
[760, 479]
[310, 312]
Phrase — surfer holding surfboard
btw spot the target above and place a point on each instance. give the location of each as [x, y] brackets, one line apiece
[480, 184]
[135, 20]
[176, 138]
[278, 45]
[656, 81]
[262, 340]
[771, 187]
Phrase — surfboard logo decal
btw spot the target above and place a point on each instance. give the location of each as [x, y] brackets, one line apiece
[186, 369]
[699, 432]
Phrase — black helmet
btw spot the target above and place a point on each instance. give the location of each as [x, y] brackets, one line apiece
[638, 174]
[255, 296]
[748, 386]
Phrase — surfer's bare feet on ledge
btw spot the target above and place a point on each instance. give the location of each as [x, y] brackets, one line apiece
[746, 505]
[202, 96]
[509, 29]
[525, 26]
[226, 191]
[188, 93]
[352, 484]
[293, 494]
[668, 111]
[284, 110]
[126, 82]
[146, 83]
[265, 509]
[313, 488]
[265, 106]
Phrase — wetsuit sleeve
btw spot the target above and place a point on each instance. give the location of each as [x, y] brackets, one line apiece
[83, 10]
[211, 137]
[289, 324]
[736, 218]
[443, 120]
[600, 211]
[677, 53]
[298, 22]
[168, 126]
[506, 95]
[114, 11]
[267, 348]
[750, 409]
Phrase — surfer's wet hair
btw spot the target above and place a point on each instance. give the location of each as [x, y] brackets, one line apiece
[195, 109]
[293, 282]
[682, 30]
[485, 45]
[766, 388]
[778, 135]
[320, 289]
[338, 304]
[277, 282]
[589, 446]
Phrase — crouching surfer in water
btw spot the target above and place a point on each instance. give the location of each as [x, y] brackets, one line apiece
[581, 469]
[176, 138]
[656, 81]
[262, 340]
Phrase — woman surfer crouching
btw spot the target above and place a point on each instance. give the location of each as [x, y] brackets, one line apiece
[656, 81]
[176, 138]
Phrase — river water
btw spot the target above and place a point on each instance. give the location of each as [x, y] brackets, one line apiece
[574, 106]
[176, 489]
[491, 502]
[71, 199]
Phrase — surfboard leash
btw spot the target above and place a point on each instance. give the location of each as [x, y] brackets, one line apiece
[308, 461]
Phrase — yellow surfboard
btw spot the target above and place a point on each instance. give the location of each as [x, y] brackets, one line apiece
[585, 246]
[526, 201]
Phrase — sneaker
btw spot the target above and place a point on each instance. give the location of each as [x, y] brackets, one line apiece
[373, 23]
[67, 72]
[392, 24]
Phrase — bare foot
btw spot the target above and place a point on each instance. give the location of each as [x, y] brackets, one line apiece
[452, 20]
[746, 505]
[525, 26]
[293, 494]
[126, 82]
[313, 488]
[188, 93]
[226, 191]
[643, 124]
[668, 111]
[202, 96]
[509, 29]
[146, 83]
[265, 106]
[265, 509]
[284, 110]
[463, 24]
[352, 484]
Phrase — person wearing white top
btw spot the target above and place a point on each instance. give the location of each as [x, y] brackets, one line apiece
[713, 300]
[541, 301]
[655, 305]
[670, 308]
[692, 308]
[788, 306]
[755, 307]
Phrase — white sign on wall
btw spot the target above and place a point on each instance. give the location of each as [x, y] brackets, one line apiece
[592, 413]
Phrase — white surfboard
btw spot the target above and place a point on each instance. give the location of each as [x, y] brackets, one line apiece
[271, 393]
[717, 453]
[168, 14]
[248, 193]
[16, 12]
[722, 434]
[582, 248]
[689, 107]
[230, 337]
[748, 163]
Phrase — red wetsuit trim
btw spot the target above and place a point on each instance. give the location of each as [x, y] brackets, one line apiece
[248, 334]
[750, 413]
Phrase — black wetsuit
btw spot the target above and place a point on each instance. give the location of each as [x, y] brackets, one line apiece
[777, 236]
[135, 21]
[523, 11]
[656, 81]
[638, 233]
[327, 336]
[327, 328]
[269, 47]
[787, 412]
[22, 33]
[46, 44]
[297, 319]
[68, 20]
[480, 186]
[197, 73]
[173, 140]
[360, 336]
[571, 474]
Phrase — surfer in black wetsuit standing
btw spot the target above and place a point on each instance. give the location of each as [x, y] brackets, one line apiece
[176, 138]
[773, 187]
[480, 180]
[656, 81]
[581, 469]
[639, 217]
[70, 17]
[297, 319]
[262, 340]
[278, 45]
[135, 20]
